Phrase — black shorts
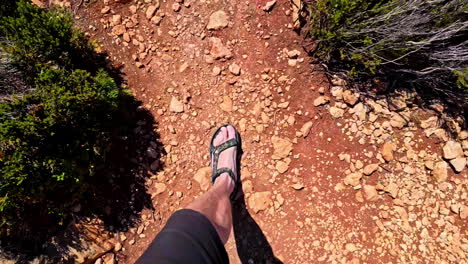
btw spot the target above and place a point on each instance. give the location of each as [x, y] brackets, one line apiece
[188, 237]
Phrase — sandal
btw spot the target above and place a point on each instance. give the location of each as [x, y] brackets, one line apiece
[214, 156]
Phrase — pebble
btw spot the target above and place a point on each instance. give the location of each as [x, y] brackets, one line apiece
[452, 149]
[235, 69]
[458, 163]
[269, 5]
[387, 151]
[321, 100]
[260, 201]
[218, 20]
[305, 129]
[176, 106]
[440, 171]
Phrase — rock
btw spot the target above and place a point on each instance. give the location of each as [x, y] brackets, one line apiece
[150, 11]
[117, 247]
[297, 186]
[282, 147]
[176, 7]
[359, 197]
[452, 149]
[292, 62]
[353, 179]
[235, 69]
[160, 188]
[370, 193]
[156, 20]
[305, 130]
[118, 30]
[282, 166]
[109, 258]
[183, 67]
[176, 106]
[387, 151]
[216, 70]
[217, 20]
[350, 247]
[464, 212]
[392, 189]
[116, 19]
[321, 100]
[336, 112]
[105, 10]
[203, 177]
[260, 201]
[371, 168]
[218, 50]
[350, 98]
[458, 163]
[269, 5]
[397, 121]
[431, 122]
[293, 54]
[440, 171]
[227, 104]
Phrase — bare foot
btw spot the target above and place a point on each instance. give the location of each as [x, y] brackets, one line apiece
[227, 158]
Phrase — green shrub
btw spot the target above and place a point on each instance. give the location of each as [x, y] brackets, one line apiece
[419, 44]
[55, 137]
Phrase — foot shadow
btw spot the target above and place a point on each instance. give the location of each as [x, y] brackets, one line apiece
[252, 245]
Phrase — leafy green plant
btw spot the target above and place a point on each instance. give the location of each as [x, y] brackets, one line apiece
[56, 136]
[417, 44]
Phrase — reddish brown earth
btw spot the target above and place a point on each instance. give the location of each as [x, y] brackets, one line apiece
[311, 225]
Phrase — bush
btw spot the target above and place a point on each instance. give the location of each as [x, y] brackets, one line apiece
[411, 44]
[56, 135]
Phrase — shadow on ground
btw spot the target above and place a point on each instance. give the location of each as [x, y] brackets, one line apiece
[252, 245]
[114, 197]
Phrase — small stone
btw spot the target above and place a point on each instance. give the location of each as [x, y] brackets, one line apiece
[109, 258]
[116, 19]
[282, 147]
[203, 177]
[260, 201]
[452, 149]
[305, 130]
[321, 100]
[117, 247]
[282, 166]
[370, 193]
[217, 20]
[387, 151]
[292, 62]
[150, 11]
[371, 168]
[105, 10]
[350, 247]
[458, 163]
[440, 171]
[397, 121]
[269, 5]
[126, 37]
[350, 98]
[216, 70]
[160, 188]
[183, 67]
[353, 179]
[176, 7]
[227, 104]
[218, 50]
[118, 30]
[293, 54]
[176, 106]
[336, 112]
[235, 69]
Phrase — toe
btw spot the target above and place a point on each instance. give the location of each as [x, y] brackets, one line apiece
[219, 139]
[231, 132]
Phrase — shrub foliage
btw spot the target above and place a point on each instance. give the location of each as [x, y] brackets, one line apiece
[55, 136]
[416, 43]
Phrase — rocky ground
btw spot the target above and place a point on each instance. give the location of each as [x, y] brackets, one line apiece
[329, 175]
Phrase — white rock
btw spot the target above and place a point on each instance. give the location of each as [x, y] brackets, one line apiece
[176, 106]
[218, 20]
[452, 149]
[458, 163]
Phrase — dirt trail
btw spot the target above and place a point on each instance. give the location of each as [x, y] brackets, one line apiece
[254, 74]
